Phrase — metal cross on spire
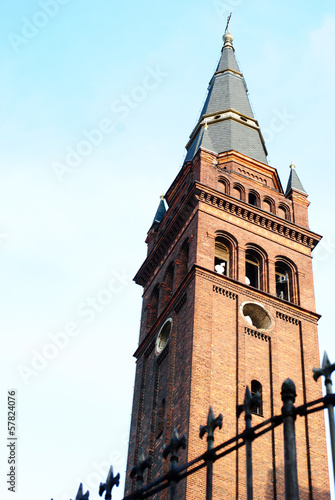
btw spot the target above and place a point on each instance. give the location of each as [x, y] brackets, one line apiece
[227, 25]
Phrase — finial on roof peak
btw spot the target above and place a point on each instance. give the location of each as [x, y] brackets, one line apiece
[292, 166]
[227, 25]
[228, 40]
[227, 37]
[162, 197]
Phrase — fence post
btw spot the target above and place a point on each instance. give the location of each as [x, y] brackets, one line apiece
[288, 395]
[111, 481]
[138, 470]
[326, 370]
[172, 449]
[249, 403]
[81, 495]
[212, 423]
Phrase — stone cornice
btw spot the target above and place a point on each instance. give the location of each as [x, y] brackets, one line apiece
[237, 288]
[238, 210]
[224, 114]
[232, 289]
[257, 216]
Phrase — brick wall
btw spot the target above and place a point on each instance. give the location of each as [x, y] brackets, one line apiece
[213, 351]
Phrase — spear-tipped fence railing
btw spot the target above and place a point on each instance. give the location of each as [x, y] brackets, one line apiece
[250, 402]
[212, 424]
[177, 473]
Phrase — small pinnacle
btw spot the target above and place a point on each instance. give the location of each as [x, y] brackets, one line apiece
[162, 197]
[292, 165]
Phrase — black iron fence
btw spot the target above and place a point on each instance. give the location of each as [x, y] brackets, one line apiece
[177, 473]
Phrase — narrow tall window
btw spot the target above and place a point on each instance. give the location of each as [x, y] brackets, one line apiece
[283, 283]
[167, 286]
[182, 263]
[283, 212]
[152, 308]
[160, 419]
[252, 269]
[257, 387]
[252, 199]
[238, 192]
[221, 260]
[268, 205]
[223, 185]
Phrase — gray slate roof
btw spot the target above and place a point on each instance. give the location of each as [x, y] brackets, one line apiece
[228, 91]
[228, 135]
[294, 182]
[160, 212]
[227, 60]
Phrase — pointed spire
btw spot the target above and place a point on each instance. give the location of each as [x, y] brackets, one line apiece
[160, 211]
[294, 181]
[227, 115]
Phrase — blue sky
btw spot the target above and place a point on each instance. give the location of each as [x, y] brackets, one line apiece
[130, 78]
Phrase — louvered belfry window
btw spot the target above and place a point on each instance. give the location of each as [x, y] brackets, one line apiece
[283, 283]
[252, 269]
[221, 260]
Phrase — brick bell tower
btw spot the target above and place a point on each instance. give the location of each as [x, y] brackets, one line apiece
[228, 302]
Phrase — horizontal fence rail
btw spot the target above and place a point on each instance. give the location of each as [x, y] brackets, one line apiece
[177, 473]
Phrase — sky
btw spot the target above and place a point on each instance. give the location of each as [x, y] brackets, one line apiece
[98, 100]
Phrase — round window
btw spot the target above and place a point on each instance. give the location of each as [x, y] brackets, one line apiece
[256, 315]
[163, 335]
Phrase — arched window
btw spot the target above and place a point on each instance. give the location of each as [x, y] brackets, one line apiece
[256, 267]
[224, 185]
[167, 286]
[252, 269]
[222, 257]
[284, 212]
[253, 198]
[256, 387]
[268, 205]
[182, 263]
[282, 283]
[225, 255]
[238, 192]
[286, 280]
[153, 308]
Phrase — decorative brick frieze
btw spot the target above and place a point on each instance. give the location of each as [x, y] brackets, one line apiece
[255, 218]
[257, 334]
[258, 178]
[163, 354]
[286, 317]
[236, 288]
[150, 348]
[180, 303]
[170, 235]
[225, 293]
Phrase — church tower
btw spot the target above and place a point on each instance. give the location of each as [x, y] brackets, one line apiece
[228, 302]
